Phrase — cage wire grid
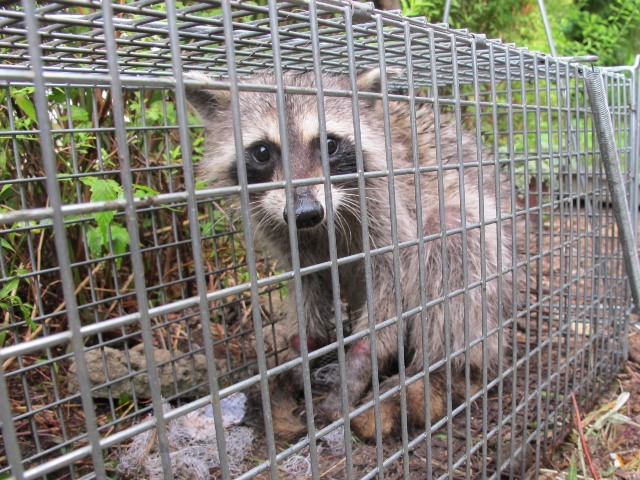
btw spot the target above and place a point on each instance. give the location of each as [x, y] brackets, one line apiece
[113, 256]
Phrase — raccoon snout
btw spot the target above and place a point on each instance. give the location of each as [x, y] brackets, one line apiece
[309, 211]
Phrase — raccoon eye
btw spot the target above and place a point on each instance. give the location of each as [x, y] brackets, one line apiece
[261, 153]
[332, 145]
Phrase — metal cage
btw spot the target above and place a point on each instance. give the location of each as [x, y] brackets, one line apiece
[114, 256]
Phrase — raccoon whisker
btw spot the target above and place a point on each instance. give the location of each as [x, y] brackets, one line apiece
[265, 220]
[336, 223]
[353, 208]
[256, 228]
[374, 227]
[228, 216]
[350, 197]
[325, 227]
[353, 191]
[338, 227]
[357, 189]
[372, 202]
[343, 225]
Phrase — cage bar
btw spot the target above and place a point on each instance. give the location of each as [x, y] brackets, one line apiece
[139, 309]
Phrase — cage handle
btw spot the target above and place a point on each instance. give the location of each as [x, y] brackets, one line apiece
[609, 153]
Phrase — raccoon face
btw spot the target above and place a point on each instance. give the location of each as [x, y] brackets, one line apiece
[263, 145]
[263, 163]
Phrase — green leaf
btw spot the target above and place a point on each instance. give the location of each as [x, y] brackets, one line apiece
[144, 191]
[124, 398]
[572, 474]
[89, 181]
[5, 188]
[27, 309]
[120, 237]
[59, 95]
[206, 228]
[79, 114]
[5, 243]
[46, 222]
[8, 287]
[95, 240]
[103, 219]
[103, 190]
[26, 105]
[43, 361]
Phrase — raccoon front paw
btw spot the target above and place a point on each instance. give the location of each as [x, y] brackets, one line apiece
[364, 425]
[331, 407]
[287, 422]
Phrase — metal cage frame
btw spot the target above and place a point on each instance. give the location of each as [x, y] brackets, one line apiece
[113, 257]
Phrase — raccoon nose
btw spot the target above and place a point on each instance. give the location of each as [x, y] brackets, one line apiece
[309, 212]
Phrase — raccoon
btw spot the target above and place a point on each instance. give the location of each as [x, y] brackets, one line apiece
[472, 261]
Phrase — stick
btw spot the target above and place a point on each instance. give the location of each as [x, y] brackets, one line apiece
[583, 441]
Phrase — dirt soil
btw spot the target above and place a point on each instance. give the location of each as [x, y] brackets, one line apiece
[609, 443]
[615, 448]
[611, 433]
[611, 429]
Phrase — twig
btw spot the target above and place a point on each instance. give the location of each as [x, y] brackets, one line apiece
[583, 441]
[338, 464]
[31, 335]
[114, 304]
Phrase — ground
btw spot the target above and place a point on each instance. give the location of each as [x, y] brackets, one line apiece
[615, 448]
[612, 450]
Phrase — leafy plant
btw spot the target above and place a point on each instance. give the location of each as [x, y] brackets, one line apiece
[107, 232]
[10, 300]
[604, 28]
[608, 29]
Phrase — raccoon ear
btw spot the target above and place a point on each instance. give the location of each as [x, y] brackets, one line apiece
[371, 81]
[207, 102]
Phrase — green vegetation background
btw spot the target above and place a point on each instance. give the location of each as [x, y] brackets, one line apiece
[609, 29]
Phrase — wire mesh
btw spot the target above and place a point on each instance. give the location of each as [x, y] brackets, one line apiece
[115, 255]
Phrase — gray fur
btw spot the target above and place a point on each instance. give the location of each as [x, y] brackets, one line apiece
[259, 116]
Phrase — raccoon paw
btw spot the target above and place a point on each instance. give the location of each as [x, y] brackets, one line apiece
[364, 425]
[287, 425]
[331, 407]
[286, 413]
